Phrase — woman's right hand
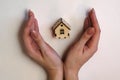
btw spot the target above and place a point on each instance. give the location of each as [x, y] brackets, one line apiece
[40, 51]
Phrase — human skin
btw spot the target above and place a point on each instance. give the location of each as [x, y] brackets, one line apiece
[84, 48]
[76, 57]
[40, 51]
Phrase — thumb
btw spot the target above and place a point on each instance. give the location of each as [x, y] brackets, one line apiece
[86, 36]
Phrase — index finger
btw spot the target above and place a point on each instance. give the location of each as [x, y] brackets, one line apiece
[93, 42]
[94, 20]
[29, 23]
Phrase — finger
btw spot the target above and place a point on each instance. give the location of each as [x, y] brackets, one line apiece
[36, 25]
[93, 43]
[29, 24]
[38, 39]
[31, 49]
[93, 19]
[30, 13]
[86, 36]
[86, 23]
[27, 43]
[31, 18]
[26, 33]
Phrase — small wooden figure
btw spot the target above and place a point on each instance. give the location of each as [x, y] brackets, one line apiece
[61, 29]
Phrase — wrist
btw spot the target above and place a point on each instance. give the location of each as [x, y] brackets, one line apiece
[70, 74]
[55, 74]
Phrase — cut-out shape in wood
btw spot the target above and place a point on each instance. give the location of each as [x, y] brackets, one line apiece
[61, 29]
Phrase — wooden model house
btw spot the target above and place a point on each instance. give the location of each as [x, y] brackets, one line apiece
[61, 29]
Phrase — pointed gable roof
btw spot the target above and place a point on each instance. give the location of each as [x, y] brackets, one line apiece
[59, 22]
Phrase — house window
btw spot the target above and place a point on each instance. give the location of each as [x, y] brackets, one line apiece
[61, 31]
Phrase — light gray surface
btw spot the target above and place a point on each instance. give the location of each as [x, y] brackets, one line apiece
[15, 65]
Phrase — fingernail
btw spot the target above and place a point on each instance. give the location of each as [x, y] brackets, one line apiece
[90, 31]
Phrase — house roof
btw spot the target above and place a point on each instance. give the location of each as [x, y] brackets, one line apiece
[59, 22]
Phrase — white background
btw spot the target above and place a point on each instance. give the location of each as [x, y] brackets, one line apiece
[15, 65]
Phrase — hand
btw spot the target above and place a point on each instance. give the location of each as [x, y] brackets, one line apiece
[84, 49]
[40, 51]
